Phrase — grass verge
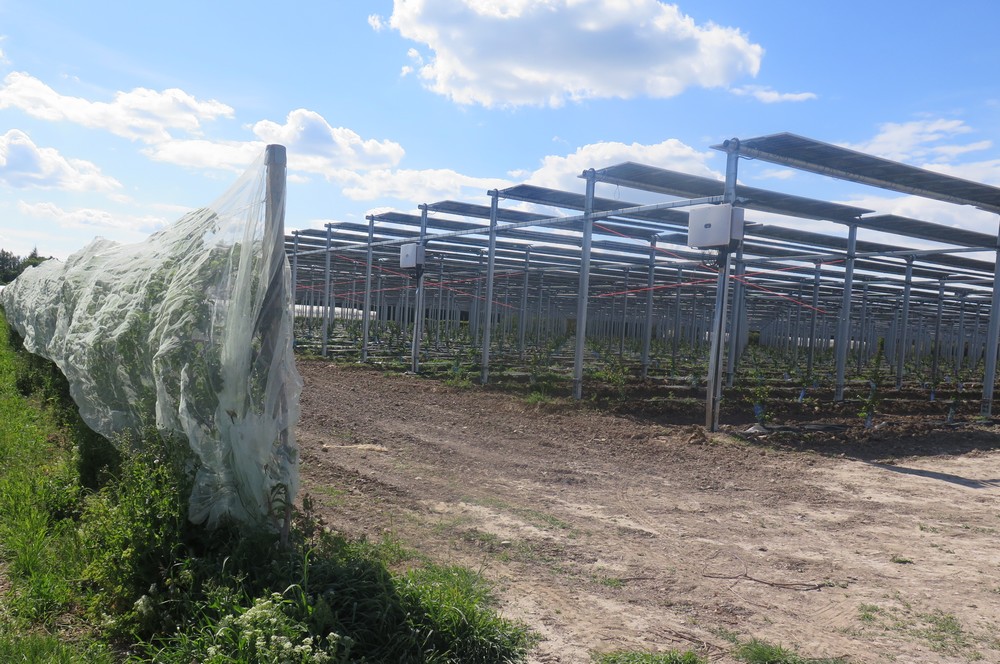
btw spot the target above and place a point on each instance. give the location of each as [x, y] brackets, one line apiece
[100, 563]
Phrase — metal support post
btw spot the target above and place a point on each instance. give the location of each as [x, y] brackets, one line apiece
[904, 319]
[522, 323]
[647, 332]
[936, 349]
[736, 325]
[584, 285]
[812, 323]
[440, 295]
[490, 270]
[366, 321]
[992, 335]
[621, 339]
[418, 299]
[713, 390]
[324, 328]
[675, 341]
[844, 323]
[295, 276]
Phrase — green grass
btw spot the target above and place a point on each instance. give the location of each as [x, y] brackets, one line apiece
[756, 651]
[630, 657]
[50, 649]
[102, 564]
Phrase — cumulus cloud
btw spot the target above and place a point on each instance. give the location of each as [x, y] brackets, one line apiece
[90, 219]
[314, 147]
[202, 153]
[319, 147]
[919, 141]
[141, 114]
[375, 21]
[23, 164]
[770, 96]
[418, 186]
[521, 52]
[555, 171]
[562, 172]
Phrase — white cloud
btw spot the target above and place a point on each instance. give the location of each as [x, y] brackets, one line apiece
[23, 164]
[314, 146]
[417, 186]
[531, 52]
[778, 173]
[562, 172]
[375, 21]
[919, 141]
[200, 153]
[926, 209]
[767, 95]
[141, 114]
[318, 147]
[89, 219]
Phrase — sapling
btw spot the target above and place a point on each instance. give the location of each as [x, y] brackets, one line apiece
[875, 377]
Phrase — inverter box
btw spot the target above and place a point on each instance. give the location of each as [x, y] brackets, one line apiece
[714, 226]
[411, 255]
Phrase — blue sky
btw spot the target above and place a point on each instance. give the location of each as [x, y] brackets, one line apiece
[117, 117]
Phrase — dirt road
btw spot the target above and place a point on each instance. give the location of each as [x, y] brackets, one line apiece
[607, 532]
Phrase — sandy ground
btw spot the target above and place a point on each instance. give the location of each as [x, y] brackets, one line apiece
[607, 532]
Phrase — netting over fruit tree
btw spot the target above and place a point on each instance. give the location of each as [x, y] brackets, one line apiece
[190, 332]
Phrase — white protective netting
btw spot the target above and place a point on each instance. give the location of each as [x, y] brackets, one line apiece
[190, 331]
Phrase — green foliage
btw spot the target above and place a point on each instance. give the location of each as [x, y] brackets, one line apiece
[631, 657]
[876, 377]
[757, 389]
[123, 562]
[12, 266]
[761, 652]
[38, 492]
[268, 630]
[451, 611]
[51, 650]
[131, 530]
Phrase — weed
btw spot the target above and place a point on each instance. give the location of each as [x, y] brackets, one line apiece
[761, 652]
[633, 657]
[726, 634]
[900, 560]
[867, 613]
[608, 581]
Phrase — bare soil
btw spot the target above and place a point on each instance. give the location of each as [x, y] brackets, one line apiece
[625, 532]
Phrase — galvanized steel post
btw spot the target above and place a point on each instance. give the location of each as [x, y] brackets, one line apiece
[904, 320]
[717, 341]
[324, 328]
[584, 285]
[366, 321]
[844, 323]
[418, 299]
[523, 318]
[490, 270]
[992, 338]
[647, 332]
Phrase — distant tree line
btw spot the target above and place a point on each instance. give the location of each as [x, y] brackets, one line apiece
[12, 265]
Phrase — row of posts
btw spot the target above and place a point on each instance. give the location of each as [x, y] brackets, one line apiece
[799, 326]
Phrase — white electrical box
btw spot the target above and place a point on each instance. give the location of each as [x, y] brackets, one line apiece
[714, 226]
[411, 255]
